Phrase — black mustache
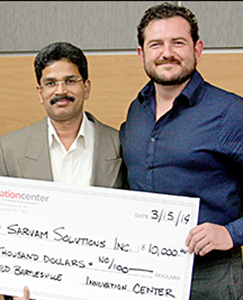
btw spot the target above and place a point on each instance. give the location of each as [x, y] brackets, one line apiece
[57, 98]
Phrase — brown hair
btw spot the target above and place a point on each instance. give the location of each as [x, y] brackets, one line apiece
[166, 11]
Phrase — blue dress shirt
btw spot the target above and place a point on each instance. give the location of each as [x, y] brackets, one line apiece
[195, 149]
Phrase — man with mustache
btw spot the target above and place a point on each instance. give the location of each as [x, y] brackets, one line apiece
[184, 136]
[69, 145]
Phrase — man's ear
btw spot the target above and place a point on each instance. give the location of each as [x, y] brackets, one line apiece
[87, 88]
[39, 94]
[198, 49]
[140, 54]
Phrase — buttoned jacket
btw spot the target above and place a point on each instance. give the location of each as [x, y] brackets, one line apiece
[25, 153]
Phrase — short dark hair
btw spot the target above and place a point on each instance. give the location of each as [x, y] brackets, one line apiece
[58, 51]
[165, 11]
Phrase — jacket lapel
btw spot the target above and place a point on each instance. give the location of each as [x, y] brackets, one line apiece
[107, 161]
[36, 163]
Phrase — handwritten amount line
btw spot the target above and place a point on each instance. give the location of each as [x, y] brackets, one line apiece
[126, 269]
[115, 272]
[141, 270]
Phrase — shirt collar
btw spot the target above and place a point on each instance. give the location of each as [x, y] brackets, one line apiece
[53, 136]
[190, 92]
[192, 89]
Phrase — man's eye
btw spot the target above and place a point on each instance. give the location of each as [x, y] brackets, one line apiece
[69, 81]
[154, 45]
[50, 83]
[179, 43]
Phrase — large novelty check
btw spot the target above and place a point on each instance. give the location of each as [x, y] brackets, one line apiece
[67, 242]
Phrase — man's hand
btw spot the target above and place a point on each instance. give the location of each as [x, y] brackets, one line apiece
[26, 295]
[207, 237]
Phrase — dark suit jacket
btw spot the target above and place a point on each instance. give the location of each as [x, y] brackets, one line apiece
[25, 153]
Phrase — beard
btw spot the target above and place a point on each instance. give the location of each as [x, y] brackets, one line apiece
[185, 73]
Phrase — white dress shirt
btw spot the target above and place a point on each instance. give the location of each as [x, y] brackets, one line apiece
[75, 165]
